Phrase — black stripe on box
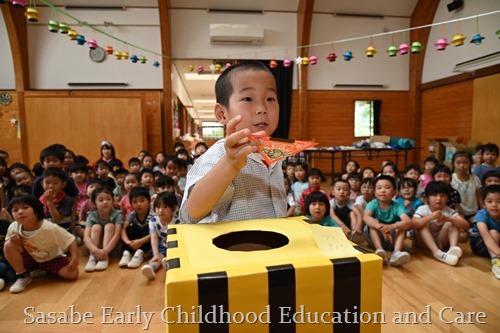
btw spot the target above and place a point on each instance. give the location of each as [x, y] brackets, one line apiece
[173, 263]
[281, 284]
[362, 249]
[172, 244]
[347, 294]
[213, 299]
[171, 231]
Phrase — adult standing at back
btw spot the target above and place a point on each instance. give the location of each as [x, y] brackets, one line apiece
[108, 153]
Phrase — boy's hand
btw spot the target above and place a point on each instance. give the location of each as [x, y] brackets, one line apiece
[237, 144]
[49, 196]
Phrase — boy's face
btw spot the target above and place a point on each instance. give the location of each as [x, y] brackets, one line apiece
[413, 174]
[255, 99]
[492, 205]
[53, 183]
[300, 173]
[367, 190]
[140, 205]
[350, 167]
[477, 157]
[172, 169]
[428, 166]
[491, 181]
[147, 162]
[437, 201]
[79, 176]
[102, 172]
[443, 177]
[314, 181]
[355, 183]
[24, 178]
[135, 167]
[166, 188]
[407, 191]
[368, 174]
[68, 160]
[130, 182]
[200, 150]
[165, 213]
[489, 157]
[389, 171]
[182, 172]
[147, 180]
[23, 213]
[120, 179]
[182, 156]
[51, 162]
[384, 190]
[341, 192]
[317, 210]
[290, 171]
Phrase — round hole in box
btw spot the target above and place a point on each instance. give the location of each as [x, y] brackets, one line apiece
[250, 240]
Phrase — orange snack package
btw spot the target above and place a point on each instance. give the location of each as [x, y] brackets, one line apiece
[275, 149]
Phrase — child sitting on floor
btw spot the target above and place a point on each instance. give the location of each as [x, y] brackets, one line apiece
[317, 210]
[386, 222]
[33, 243]
[165, 206]
[438, 226]
[485, 236]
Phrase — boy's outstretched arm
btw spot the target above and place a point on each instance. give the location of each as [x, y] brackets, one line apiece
[210, 188]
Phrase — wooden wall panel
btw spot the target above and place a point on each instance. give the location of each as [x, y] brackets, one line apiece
[151, 106]
[447, 111]
[82, 123]
[486, 110]
[10, 138]
[331, 119]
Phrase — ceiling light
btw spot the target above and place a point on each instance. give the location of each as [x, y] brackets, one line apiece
[198, 77]
[202, 101]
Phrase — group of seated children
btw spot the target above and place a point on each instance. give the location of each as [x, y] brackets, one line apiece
[118, 211]
[437, 209]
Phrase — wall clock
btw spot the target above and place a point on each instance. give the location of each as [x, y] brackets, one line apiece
[98, 54]
[5, 98]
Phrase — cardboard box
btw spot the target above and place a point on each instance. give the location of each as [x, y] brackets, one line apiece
[380, 138]
[269, 276]
[436, 148]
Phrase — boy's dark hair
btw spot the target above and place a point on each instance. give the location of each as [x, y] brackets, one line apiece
[355, 163]
[434, 188]
[303, 165]
[135, 160]
[80, 159]
[491, 147]
[78, 167]
[164, 180]
[441, 168]
[407, 181]
[139, 191]
[56, 150]
[181, 151]
[201, 144]
[494, 189]
[29, 200]
[340, 180]
[99, 190]
[157, 173]
[102, 164]
[461, 153]
[3, 162]
[121, 171]
[490, 174]
[24, 189]
[38, 169]
[134, 174]
[19, 165]
[224, 86]
[183, 164]
[415, 167]
[385, 177]
[354, 175]
[166, 198]
[179, 144]
[392, 165]
[99, 181]
[4, 152]
[316, 172]
[55, 172]
[368, 168]
[289, 163]
[115, 163]
[174, 160]
[368, 181]
[431, 159]
[315, 197]
[143, 171]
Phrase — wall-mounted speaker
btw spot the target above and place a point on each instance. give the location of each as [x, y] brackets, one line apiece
[456, 4]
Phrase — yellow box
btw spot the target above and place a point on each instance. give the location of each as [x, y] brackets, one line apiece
[275, 275]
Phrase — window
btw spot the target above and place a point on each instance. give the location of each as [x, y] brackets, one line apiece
[212, 130]
[366, 118]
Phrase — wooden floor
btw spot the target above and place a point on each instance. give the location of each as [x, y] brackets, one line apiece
[423, 285]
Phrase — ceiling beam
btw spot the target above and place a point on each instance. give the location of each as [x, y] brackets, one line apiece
[422, 14]
[304, 20]
[167, 114]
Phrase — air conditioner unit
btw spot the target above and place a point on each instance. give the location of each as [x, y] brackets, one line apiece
[243, 34]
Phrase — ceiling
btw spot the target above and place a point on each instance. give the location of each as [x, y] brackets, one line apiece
[202, 92]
